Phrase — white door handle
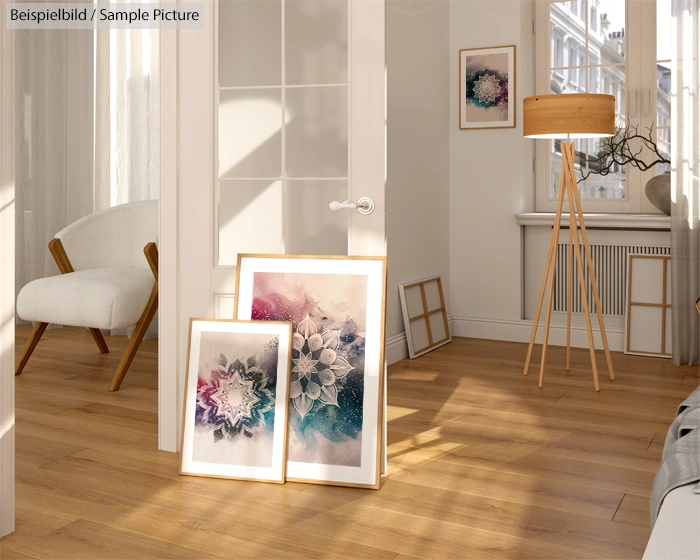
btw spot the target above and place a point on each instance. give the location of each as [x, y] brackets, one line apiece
[364, 205]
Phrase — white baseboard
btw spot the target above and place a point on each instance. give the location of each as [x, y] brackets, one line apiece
[512, 331]
[396, 348]
[520, 330]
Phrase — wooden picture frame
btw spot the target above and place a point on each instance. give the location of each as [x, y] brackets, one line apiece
[487, 88]
[424, 315]
[648, 317]
[236, 400]
[337, 305]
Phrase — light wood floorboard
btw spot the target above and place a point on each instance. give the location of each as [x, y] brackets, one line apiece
[482, 464]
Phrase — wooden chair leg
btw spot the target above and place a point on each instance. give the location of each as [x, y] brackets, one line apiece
[99, 340]
[39, 329]
[136, 338]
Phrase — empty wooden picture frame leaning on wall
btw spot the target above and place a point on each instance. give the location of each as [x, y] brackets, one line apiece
[424, 315]
[648, 321]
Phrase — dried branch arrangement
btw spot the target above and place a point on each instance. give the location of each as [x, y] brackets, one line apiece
[618, 150]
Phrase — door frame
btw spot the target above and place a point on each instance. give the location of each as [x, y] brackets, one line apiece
[7, 279]
[169, 361]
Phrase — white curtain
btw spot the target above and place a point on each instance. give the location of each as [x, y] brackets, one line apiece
[685, 182]
[53, 139]
[87, 132]
[127, 120]
[126, 116]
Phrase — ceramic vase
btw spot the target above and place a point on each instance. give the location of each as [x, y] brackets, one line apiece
[658, 191]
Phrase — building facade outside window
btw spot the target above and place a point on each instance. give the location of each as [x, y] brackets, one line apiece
[604, 46]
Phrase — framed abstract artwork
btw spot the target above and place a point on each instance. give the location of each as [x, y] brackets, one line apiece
[236, 400]
[424, 315]
[487, 88]
[337, 362]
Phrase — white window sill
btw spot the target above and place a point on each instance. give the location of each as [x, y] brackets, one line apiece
[606, 221]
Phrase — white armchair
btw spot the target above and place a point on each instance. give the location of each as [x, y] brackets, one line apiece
[105, 281]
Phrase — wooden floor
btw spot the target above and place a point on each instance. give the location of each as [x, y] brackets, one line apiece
[482, 464]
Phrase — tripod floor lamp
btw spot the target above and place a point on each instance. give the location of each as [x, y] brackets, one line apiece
[573, 115]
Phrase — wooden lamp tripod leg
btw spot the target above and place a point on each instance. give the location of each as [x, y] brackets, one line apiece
[569, 285]
[550, 295]
[549, 267]
[594, 284]
[568, 149]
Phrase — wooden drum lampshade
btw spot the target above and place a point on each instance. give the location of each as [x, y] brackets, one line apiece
[573, 115]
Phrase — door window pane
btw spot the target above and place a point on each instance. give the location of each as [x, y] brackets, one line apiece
[310, 228]
[250, 43]
[250, 219]
[250, 133]
[316, 42]
[317, 132]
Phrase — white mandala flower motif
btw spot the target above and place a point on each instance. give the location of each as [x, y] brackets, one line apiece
[487, 89]
[304, 365]
[317, 367]
[235, 398]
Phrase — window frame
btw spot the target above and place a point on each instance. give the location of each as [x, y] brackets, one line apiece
[638, 89]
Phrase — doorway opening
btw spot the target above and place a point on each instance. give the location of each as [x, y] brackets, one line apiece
[87, 135]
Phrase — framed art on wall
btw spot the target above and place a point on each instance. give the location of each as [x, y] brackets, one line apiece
[337, 307]
[487, 88]
[236, 399]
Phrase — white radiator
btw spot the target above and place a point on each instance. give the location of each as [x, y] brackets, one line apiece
[610, 264]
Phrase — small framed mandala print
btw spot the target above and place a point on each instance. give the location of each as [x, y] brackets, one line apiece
[337, 360]
[487, 88]
[236, 400]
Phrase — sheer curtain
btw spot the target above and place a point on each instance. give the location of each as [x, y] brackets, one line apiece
[127, 117]
[127, 121]
[87, 132]
[54, 142]
[685, 183]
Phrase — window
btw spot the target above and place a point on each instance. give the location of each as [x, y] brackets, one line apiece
[605, 50]
[594, 17]
[557, 50]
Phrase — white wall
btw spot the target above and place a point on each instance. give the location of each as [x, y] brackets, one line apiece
[417, 194]
[490, 175]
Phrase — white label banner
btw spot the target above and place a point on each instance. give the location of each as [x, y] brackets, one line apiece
[136, 15]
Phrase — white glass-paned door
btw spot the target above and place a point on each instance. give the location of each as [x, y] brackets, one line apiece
[283, 111]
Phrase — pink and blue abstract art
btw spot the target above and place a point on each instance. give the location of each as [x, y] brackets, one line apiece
[328, 360]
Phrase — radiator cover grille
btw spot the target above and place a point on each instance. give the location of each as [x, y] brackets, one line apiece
[610, 263]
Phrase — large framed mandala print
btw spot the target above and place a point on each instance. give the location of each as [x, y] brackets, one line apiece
[487, 88]
[337, 307]
[236, 400]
